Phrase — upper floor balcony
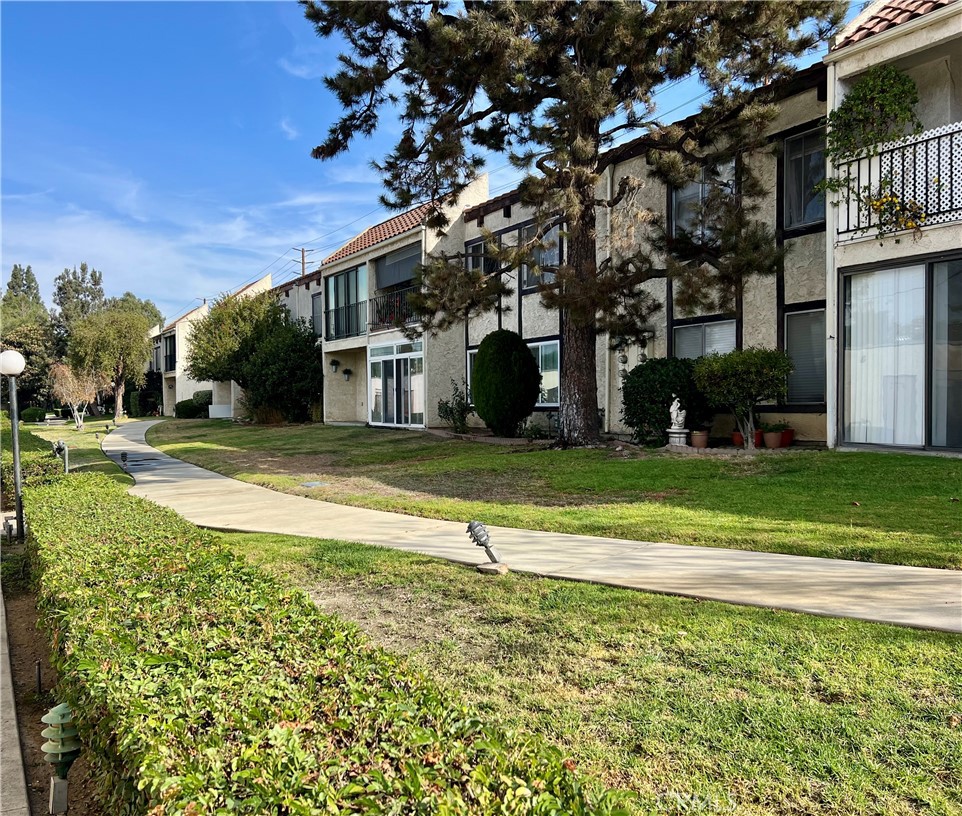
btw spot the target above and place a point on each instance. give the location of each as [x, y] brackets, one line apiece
[345, 321]
[908, 184]
[391, 310]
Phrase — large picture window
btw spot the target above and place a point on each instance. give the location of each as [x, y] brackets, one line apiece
[699, 339]
[547, 355]
[804, 169]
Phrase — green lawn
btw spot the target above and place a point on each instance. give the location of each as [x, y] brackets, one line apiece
[891, 508]
[84, 447]
[699, 707]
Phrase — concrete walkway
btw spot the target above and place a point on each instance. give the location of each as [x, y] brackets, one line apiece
[907, 596]
[13, 784]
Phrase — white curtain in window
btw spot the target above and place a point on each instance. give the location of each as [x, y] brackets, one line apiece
[885, 357]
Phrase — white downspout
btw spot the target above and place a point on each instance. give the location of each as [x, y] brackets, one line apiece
[831, 286]
[610, 184]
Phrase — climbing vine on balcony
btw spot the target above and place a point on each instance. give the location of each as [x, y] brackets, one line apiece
[878, 108]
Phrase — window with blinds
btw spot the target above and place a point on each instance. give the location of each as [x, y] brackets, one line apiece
[397, 267]
[699, 339]
[805, 344]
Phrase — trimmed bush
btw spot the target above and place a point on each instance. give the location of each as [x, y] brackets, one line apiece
[505, 382]
[742, 379]
[201, 685]
[647, 397]
[33, 414]
[203, 398]
[188, 409]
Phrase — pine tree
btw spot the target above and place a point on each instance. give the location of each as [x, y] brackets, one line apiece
[76, 294]
[22, 304]
[552, 84]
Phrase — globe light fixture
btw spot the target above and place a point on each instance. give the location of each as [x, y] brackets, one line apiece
[12, 364]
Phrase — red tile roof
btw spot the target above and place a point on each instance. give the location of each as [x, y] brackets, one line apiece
[883, 15]
[382, 232]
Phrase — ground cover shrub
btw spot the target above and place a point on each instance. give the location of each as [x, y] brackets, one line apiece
[505, 382]
[455, 411]
[648, 392]
[38, 464]
[201, 685]
[33, 414]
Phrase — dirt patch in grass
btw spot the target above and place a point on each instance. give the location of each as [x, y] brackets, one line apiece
[402, 621]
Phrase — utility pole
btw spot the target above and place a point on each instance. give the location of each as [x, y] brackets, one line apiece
[303, 252]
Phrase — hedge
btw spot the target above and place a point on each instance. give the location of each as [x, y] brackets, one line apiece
[38, 464]
[202, 686]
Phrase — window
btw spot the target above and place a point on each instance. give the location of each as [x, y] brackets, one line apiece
[700, 339]
[805, 344]
[170, 352]
[477, 260]
[686, 201]
[549, 364]
[804, 169]
[346, 303]
[547, 259]
[397, 268]
[317, 315]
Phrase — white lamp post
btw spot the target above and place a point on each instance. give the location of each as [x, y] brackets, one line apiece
[11, 366]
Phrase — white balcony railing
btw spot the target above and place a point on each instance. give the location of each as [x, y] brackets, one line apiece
[922, 175]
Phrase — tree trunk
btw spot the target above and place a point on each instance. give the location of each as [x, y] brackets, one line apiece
[119, 388]
[579, 378]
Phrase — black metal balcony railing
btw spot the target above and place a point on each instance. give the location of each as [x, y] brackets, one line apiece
[170, 362]
[922, 172]
[391, 309]
[346, 321]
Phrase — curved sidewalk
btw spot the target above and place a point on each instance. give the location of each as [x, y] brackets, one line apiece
[907, 596]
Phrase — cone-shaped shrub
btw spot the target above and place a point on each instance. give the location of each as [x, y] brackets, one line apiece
[505, 382]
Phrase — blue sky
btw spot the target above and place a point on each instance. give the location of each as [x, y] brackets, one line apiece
[168, 145]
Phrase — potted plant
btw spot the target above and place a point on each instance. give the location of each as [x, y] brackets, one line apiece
[774, 433]
[742, 379]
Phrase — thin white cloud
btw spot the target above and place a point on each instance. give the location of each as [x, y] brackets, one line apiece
[290, 131]
[302, 70]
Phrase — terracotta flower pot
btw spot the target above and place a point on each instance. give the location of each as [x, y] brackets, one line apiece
[699, 439]
[773, 439]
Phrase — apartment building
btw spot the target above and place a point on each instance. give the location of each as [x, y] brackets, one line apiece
[894, 304]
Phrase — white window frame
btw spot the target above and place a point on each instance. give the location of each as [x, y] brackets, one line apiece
[472, 353]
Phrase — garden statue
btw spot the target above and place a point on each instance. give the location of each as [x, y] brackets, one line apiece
[677, 414]
[677, 435]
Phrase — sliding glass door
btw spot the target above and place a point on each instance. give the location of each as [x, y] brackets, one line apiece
[902, 356]
[397, 384]
[946, 404]
[884, 363]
